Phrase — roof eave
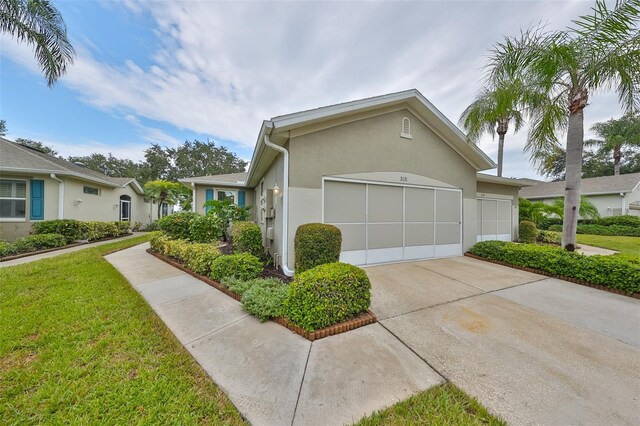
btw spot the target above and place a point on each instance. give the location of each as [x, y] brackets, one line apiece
[60, 173]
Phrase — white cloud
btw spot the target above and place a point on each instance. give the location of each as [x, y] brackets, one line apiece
[224, 67]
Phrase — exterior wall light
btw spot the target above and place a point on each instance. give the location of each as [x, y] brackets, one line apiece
[276, 191]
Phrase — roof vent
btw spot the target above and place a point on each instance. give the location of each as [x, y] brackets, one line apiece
[406, 128]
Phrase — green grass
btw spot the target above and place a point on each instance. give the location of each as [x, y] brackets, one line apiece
[440, 405]
[79, 345]
[628, 245]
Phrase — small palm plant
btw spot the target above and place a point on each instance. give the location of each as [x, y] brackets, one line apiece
[615, 136]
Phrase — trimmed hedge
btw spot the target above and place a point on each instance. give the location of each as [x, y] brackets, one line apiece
[613, 230]
[550, 237]
[528, 232]
[247, 238]
[7, 249]
[316, 244]
[177, 225]
[617, 272]
[549, 221]
[200, 256]
[70, 228]
[264, 298]
[157, 240]
[205, 228]
[555, 228]
[32, 243]
[243, 266]
[326, 295]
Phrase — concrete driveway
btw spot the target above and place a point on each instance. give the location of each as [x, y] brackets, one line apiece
[532, 349]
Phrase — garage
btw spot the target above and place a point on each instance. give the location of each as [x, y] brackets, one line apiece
[494, 219]
[383, 222]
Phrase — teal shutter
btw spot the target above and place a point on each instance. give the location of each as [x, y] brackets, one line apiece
[209, 198]
[240, 198]
[37, 200]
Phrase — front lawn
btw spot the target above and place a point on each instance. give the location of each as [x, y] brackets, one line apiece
[440, 405]
[628, 245]
[79, 345]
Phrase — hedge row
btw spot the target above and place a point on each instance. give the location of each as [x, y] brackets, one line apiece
[196, 256]
[618, 271]
[612, 230]
[32, 243]
[192, 226]
[74, 230]
[611, 225]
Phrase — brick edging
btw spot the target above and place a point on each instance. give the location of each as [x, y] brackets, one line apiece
[361, 320]
[548, 274]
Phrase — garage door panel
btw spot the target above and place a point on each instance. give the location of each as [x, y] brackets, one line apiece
[504, 227]
[504, 210]
[384, 235]
[495, 220]
[447, 206]
[419, 205]
[489, 209]
[489, 227]
[353, 237]
[385, 203]
[344, 202]
[418, 234]
[447, 233]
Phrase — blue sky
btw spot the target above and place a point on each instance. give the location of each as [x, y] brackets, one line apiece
[169, 71]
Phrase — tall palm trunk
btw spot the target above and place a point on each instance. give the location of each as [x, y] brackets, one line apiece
[503, 127]
[617, 155]
[575, 141]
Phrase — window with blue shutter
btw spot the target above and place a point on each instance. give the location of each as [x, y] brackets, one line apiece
[240, 198]
[37, 200]
[208, 198]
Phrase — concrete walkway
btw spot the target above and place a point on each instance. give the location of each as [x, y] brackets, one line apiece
[28, 259]
[273, 376]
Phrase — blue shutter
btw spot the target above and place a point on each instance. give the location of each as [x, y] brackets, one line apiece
[240, 198]
[37, 200]
[209, 197]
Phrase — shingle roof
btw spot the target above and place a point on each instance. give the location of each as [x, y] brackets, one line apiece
[17, 157]
[233, 179]
[589, 186]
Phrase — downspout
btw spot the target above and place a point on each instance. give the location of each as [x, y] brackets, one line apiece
[193, 197]
[285, 206]
[60, 195]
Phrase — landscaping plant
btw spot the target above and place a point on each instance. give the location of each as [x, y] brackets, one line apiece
[528, 232]
[316, 244]
[205, 228]
[70, 228]
[550, 237]
[326, 295]
[177, 225]
[198, 257]
[243, 266]
[228, 212]
[247, 238]
[264, 298]
[7, 248]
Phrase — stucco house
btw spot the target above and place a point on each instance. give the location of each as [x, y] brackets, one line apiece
[612, 195]
[392, 172]
[37, 186]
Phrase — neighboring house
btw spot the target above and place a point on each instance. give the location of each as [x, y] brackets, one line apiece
[37, 186]
[612, 195]
[392, 172]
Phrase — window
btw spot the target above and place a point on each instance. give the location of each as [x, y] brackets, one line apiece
[226, 195]
[125, 208]
[13, 199]
[164, 209]
[90, 190]
[406, 128]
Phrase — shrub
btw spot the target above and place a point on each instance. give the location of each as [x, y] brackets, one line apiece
[555, 228]
[236, 285]
[316, 244]
[265, 298]
[228, 213]
[618, 272]
[243, 266]
[95, 230]
[176, 249]
[199, 256]
[205, 228]
[614, 230]
[549, 221]
[70, 228]
[247, 238]
[177, 225]
[40, 242]
[625, 220]
[7, 248]
[528, 232]
[122, 227]
[327, 294]
[157, 240]
[153, 226]
[550, 237]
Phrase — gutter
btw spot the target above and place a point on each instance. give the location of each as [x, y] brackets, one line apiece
[60, 195]
[285, 206]
[193, 197]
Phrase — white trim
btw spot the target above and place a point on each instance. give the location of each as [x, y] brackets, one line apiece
[419, 252]
[193, 197]
[27, 194]
[60, 195]
[13, 219]
[371, 182]
[354, 257]
[235, 193]
[448, 250]
[128, 219]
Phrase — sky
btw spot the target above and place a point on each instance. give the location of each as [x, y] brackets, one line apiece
[167, 71]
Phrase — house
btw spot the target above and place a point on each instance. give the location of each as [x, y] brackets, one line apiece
[37, 186]
[612, 195]
[392, 172]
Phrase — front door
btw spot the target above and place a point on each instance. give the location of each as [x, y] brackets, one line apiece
[125, 210]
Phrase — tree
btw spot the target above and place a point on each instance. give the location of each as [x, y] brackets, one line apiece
[533, 211]
[108, 165]
[39, 23]
[587, 210]
[37, 145]
[602, 51]
[3, 128]
[492, 111]
[163, 191]
[615, 136]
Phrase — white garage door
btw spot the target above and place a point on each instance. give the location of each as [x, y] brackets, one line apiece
[494, 219]
[384, 223]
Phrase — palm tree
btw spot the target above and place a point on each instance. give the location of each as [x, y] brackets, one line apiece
[600, 52]
[163, 190]
[587, 209]
[491, 112]
[616, 135]
[39, 23]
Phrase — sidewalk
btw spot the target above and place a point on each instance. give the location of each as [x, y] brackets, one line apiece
[272, 375]
[28, 259]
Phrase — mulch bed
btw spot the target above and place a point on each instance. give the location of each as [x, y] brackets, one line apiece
[351, 324]
[562, 277]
